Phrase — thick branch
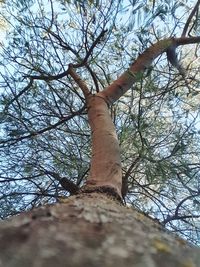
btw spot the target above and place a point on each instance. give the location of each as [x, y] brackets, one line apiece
[121, 85]
[80, 82]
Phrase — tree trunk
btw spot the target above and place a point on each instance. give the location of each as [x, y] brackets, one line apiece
[105, 169]
[91, 230]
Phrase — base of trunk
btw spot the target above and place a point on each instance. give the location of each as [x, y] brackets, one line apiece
[107, 190]
[94, 231]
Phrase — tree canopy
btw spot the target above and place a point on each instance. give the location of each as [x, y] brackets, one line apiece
[45, 136]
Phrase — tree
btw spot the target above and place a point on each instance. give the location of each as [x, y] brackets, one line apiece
[61, 72]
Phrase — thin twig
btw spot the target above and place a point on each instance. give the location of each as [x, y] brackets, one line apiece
[190, 18]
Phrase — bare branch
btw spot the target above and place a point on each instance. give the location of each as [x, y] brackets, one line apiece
[20, 93]
[53, 126]
[79, 81]
[176, 215]
[66, 46]
[94, 77]
[94, 44]
[62, 43]
[185, 29]
[179, 217]
[66, 183]
[184, 200]
[48, 77]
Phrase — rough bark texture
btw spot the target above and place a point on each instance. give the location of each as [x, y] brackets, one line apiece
[91, 230]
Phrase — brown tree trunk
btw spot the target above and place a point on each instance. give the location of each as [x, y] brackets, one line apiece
[105, 169]
[91, 230]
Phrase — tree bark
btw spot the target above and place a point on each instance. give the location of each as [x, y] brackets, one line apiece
[125, 81]
[105, 169]
[91, 230]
